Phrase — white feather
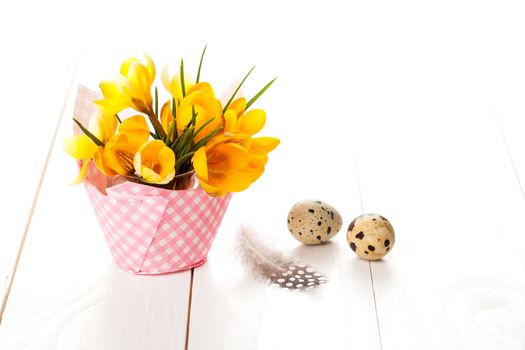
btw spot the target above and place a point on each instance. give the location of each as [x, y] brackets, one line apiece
[256, 253]
[264, 261]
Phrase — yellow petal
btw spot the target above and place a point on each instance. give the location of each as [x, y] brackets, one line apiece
[139, 76]
[112, 106]
[166, 116]
[206, 107]
[79, 147]
[176, 86]
[132, 88]
[211, 190]
[173, 85]
[200, 164]
[151, 68]
[218, 139]
[164, 158]
[129, 88]
[252, 122]
[264, 144]
[152, 177]
[103, 126]
[245, 140]
[254, 170]
[232, 180]
[155, 163]
[203, 88]
[81, 175]
[259, 158]
[137, 131]
[165, 76]
[118, 155]
[101, 165]
[145, 70]
[124, 67]
[229, 155]
[230, 121]
[109, 89]
[239, 106]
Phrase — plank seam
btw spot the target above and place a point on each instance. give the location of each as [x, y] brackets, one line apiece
[37, 193]
[369, 263]
[504, 139]
[358, 182]
[375, 305]
[188, 318]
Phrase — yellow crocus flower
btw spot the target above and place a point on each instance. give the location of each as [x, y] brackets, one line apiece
[103, 126]
[166, 117]
[251, 122]
[131, 89]
[174, 85]
[119, 152]
[81, 147]
[229, 164]
[237, 121]
[155, 163]
[263, 145]
[238, 105]
[220, 168]
[200, 99]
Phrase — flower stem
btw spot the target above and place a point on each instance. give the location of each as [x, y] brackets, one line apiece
[156, 125]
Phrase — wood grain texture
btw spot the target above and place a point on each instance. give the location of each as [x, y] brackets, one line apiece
[409, 109]
[227, 300]
[232, 310]
[446, 183]
[505, 88]
[31, 112]
[504, 77]
[68, 293]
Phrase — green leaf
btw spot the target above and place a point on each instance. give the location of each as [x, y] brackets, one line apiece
[236, 90]
[174, 114]
[159, 131]
[249, 103]
[193, 115]
[192, 120]
[170, 131]
[182, 141]
[204, 125]
[182, 84]
[185, 157]
[156, 102]
[200, 65]
[89, 134]
[207, 138]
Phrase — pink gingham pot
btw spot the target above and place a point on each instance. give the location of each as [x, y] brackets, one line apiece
[151, 230]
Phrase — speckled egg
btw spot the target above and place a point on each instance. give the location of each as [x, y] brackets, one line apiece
[313, 222]
[371, 236]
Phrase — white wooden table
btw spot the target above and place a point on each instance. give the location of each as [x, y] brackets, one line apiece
[412, 110]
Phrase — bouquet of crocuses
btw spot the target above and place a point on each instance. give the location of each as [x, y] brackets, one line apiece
[191, 132]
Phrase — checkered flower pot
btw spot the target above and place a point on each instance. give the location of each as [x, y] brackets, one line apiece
[152, 230]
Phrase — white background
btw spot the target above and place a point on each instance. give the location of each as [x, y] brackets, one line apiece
[413, 109]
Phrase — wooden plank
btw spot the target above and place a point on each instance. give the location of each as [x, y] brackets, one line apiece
[34, 88]
[231, 310]
[504, 88]
[500, 64]
[69, 294]
[152, 312]
[245, 313]
[443, 178]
